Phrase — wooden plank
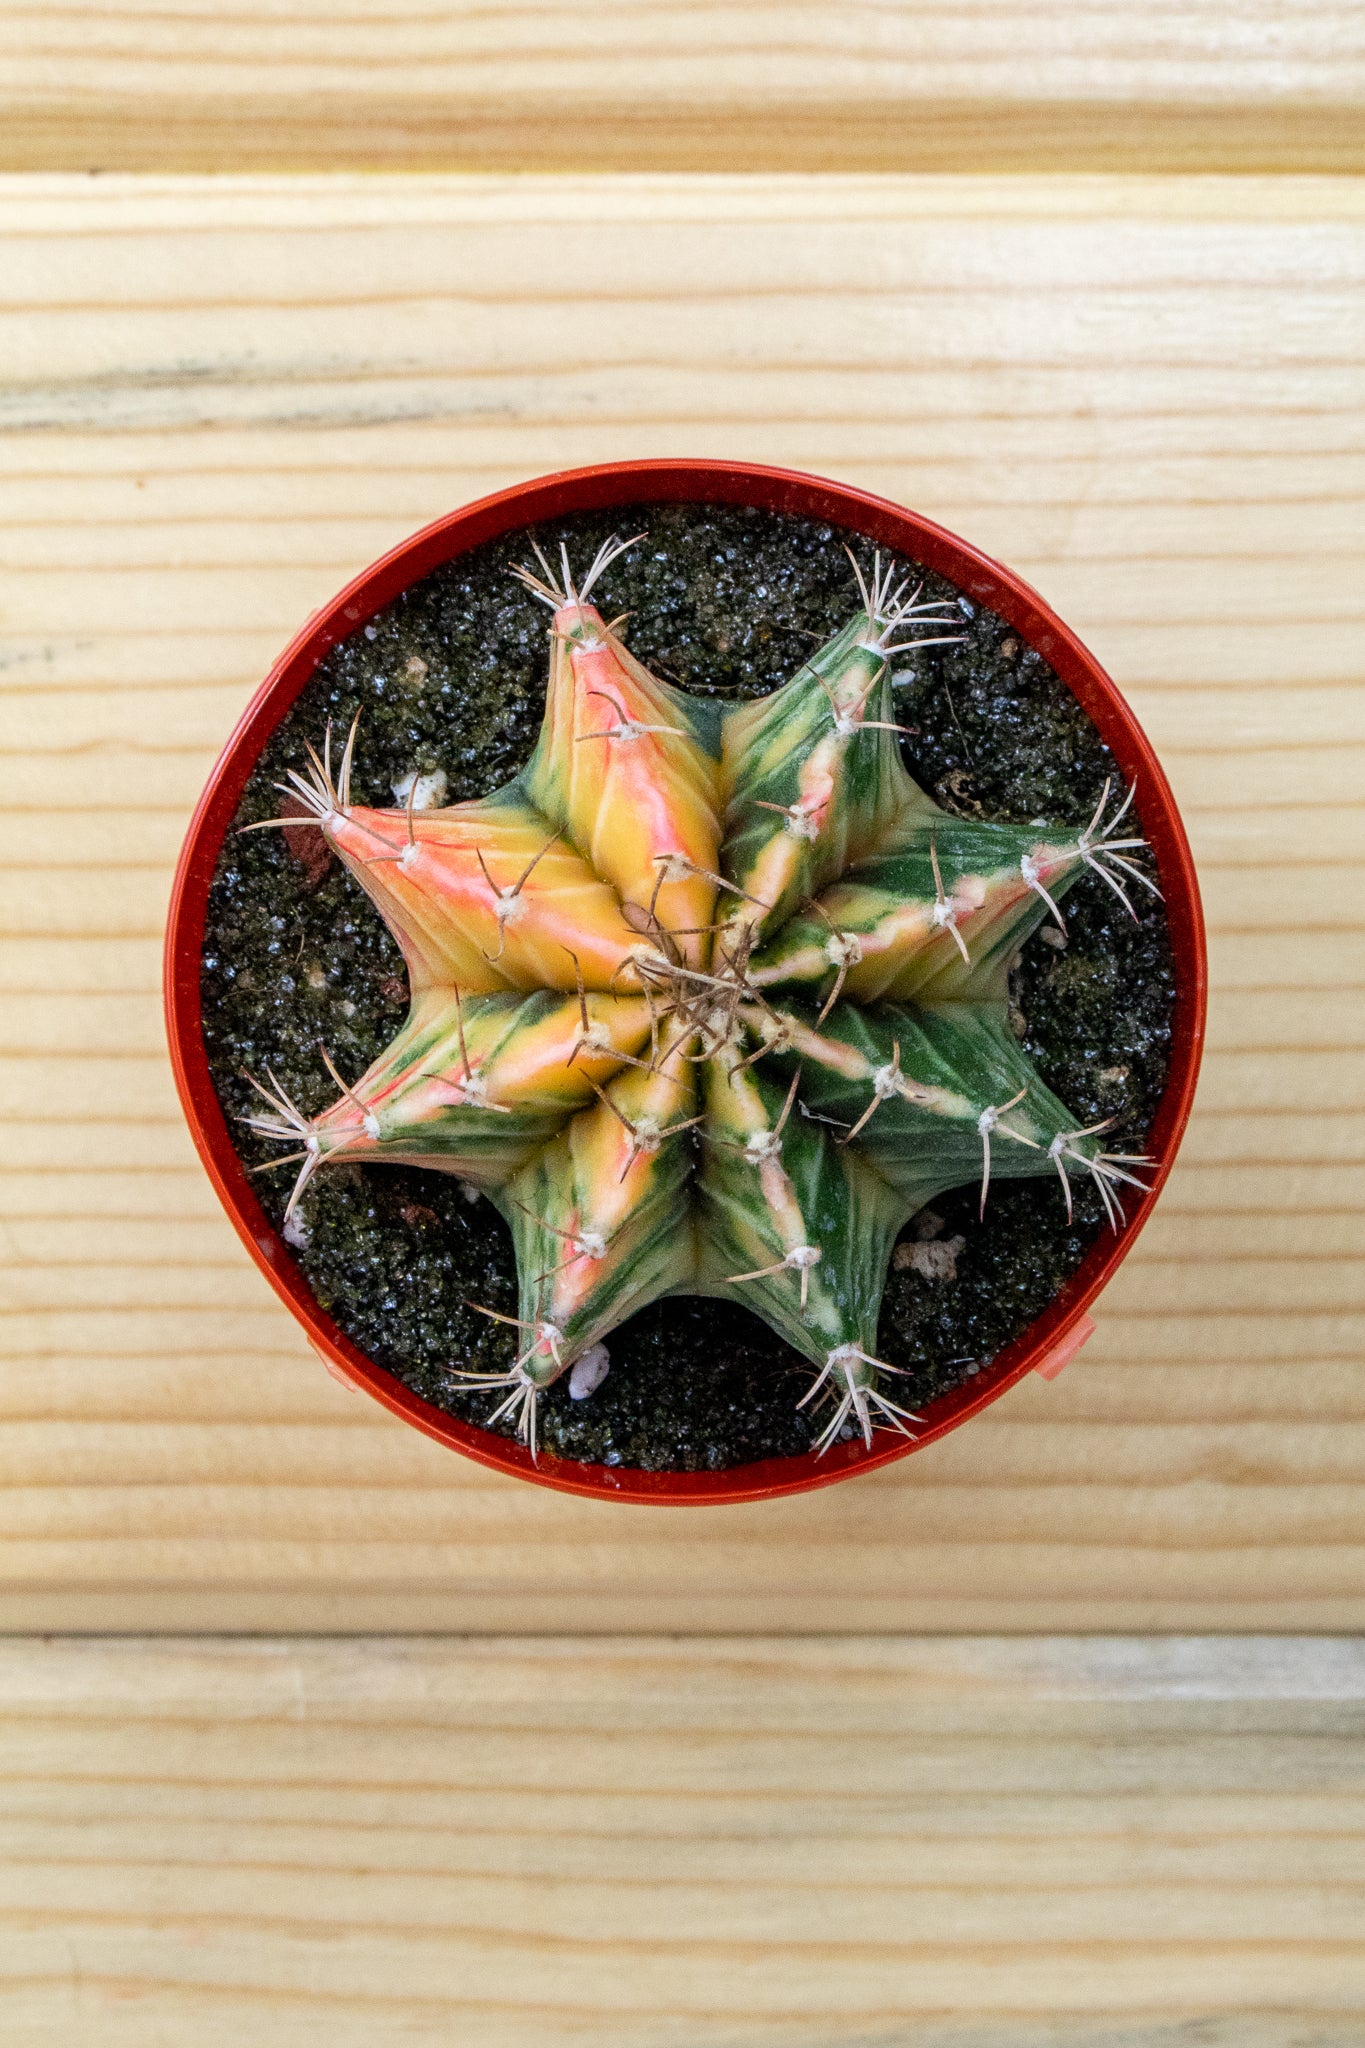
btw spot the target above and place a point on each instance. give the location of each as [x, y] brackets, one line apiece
[594, 85]
[983, 1843]
[224, 397]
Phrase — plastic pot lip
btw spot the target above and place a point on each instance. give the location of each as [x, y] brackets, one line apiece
[605, 487]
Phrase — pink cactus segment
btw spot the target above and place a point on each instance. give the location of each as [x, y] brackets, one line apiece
[780, 1197]
[901, 951]
[486, 897]
[807, 1044]
[435, 950]
[901, 936]
[819, 780]
[778, 869]
[641, 795]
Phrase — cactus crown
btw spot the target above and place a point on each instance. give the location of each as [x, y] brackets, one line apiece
[707, 999]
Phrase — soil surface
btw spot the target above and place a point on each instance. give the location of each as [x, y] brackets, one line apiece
[451, 677]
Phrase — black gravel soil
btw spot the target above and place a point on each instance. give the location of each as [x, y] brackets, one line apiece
[725, 602]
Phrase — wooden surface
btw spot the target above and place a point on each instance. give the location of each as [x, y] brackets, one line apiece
[846, 1844]
[223, 398]
[821, 85]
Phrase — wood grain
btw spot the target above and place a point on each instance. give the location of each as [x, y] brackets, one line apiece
[810, 85]
[983, 1844]
[223, 397]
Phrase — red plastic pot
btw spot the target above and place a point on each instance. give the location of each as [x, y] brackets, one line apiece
[1057, 1333]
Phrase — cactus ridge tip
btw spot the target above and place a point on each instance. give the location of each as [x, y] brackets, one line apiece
[557, 588]
[852, 1371]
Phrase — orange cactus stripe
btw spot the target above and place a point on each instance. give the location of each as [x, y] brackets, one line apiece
[436, 950]
[807, 750]
[736, 1110]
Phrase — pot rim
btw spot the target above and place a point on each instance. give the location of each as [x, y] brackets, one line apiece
[605, 487]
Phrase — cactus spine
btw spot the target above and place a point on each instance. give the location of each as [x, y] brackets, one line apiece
[708, 1002]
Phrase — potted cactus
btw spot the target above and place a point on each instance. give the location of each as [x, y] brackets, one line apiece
[698, 1012]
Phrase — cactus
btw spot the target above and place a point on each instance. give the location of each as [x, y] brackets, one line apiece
[708, 999]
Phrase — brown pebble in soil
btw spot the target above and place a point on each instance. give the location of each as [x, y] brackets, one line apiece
[415, 1214]
[306, 844]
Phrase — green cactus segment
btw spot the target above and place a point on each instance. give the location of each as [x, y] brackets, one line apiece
[614, 1028]
[934, 1098]
[812, 777]
[791, 1225]
[602, 1217]
[936, 915]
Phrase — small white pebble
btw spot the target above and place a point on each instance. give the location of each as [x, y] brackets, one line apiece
[372, 632]
[1050, 936]
[589, 1372]
[469, 1191]
[296, 1232]
[428, 791]
[414, 672]
[316, 977]
[348, 1008]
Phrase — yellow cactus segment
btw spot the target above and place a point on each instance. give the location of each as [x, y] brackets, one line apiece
[811, 778]
[559, 1059]
[610, 1199]
[487, 896]
[483, 1078]
[620, 768]
[991, 910]
[902, 931]
[615, 1142]
[904, 952]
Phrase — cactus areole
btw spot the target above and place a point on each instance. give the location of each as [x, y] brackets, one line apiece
[709, 998]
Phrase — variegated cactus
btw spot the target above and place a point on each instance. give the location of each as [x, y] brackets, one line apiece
[708, 1000]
